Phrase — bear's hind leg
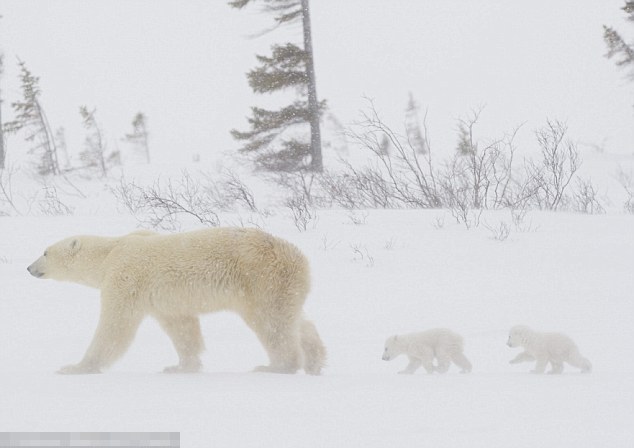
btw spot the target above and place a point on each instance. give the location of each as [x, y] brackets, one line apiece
[444, 361]
[461, 361]
[576, 360]
[312, 347]
[184, 331]
[557, 367]
[281, 340]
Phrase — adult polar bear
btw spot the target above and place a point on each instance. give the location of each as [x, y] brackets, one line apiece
[175, 278]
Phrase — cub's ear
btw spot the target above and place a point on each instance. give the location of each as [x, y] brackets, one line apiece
[75, 245]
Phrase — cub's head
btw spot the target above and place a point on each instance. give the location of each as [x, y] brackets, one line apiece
[518, 335]
[392, 348]
[59, 261]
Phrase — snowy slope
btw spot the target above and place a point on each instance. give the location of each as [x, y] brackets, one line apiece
[569, 272]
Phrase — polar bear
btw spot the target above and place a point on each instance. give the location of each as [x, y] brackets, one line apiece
[555, 348]
[175, 278]
[422, 347]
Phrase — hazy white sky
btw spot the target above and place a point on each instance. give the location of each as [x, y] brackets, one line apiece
[183, 63]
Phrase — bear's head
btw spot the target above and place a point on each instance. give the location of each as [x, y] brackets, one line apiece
[392, 349]
[59, 261]
[518, 336]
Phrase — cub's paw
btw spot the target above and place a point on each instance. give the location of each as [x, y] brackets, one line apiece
[180, 368]
[78, 369]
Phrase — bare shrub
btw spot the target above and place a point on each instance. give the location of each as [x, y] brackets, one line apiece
[361, 254]
[500, 232]
[402, 176]
[130, 195]
[626, 181]
[302, 212]
[6, 190]
[52, 205]
[327, 244]
[166, 201]
[231, 190]
[519, 220]
[439, 222]
[559, 162]
[299, 183]
[358, 218]
[585, 199]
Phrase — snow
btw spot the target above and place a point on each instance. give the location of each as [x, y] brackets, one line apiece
[394, 271]
[570, 273]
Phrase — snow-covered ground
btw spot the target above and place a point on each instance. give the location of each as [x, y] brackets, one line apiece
[395, 272]
[375, 272]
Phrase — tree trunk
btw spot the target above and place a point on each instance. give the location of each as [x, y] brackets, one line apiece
[313, 105]
[2, 149]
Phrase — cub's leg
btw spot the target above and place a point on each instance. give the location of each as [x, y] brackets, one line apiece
[426, 356]
[184, 331]
[540, 366]
[118, 323]
[522, 357]
[576, 360]
[557, 367]
[444, 361]
[414, 364]
[461, 361]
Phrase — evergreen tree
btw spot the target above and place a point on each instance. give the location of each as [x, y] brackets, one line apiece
[139, 136]
[2, 147]
[617, 47]
[30, 117]
[412, 126]
[288, 66]
[95, 154]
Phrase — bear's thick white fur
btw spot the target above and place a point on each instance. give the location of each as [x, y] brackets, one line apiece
[175, 278]
[544, 348]
[421, 348]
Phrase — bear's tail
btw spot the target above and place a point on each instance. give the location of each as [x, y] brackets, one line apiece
[312, 348]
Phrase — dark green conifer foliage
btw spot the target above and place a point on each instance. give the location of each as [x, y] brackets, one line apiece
[617, 46]
[288, 66]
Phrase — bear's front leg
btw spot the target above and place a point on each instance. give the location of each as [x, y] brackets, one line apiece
[78, 369]
[540, 366]
[522, 357]
[117, 326]
[414, 364]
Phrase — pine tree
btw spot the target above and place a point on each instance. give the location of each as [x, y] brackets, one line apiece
[412, 126]
[617, 47]
[30, 117]
[288, 66]
[2, 147]
[139, 136]
[95, 154]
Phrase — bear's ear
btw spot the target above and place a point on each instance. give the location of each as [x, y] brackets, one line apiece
[75, 245]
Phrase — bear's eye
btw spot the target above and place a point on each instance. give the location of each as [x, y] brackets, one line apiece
[45, 253]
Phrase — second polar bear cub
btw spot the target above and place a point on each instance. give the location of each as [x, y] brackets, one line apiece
[421, 348]
[544, 348]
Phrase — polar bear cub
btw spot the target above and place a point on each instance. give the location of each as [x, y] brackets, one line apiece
[421, 348]
[544, 348]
